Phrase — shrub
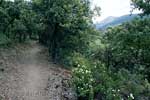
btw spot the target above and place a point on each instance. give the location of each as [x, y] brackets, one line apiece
[93, 80]
[3, 39]
[128, 46]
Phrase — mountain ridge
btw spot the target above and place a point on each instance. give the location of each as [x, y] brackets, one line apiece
[114, 21]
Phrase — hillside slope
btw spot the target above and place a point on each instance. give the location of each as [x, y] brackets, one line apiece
[113, 21]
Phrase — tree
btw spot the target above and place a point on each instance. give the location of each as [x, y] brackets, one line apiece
[143, 5]
[129, 46]
[19, 30]
[64, 20]
[17, 11]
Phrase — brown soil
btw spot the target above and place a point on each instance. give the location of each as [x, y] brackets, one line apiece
[27, 74]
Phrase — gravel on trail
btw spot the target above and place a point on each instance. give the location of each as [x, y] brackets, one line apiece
[26, 73]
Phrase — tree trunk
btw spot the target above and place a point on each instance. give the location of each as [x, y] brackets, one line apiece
[54, 42]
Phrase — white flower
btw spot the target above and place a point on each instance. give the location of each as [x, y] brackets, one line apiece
[91, 79]
[86, 71]
[131, 95]
[81, 70]
[113, 90]
[83, 66]
[78, 65]
[90, 86]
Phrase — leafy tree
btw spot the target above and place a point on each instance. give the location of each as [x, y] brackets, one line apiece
[94, 81]
[143, 5]
[65, 21]
[19, 30]
[128, 46]
[18, 11]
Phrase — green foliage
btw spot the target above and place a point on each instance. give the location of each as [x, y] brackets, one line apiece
[66, 24]
[143, 5]
[93, 80]
[73, 47]
[128, 46]
[111, 65]
[18, 20]
[19, 30]
[122, 70]
[83, 78]
[3, 18]
[3, 39]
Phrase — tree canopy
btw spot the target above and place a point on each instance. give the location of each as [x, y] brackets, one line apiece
[143, 5]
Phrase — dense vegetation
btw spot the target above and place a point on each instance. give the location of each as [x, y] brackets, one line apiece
[110, 65]
[17, 20]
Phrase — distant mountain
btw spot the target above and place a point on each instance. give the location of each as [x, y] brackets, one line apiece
[105, 21]
[114, 21]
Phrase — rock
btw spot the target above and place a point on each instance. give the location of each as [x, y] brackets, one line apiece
[2, 69]
[57, 86]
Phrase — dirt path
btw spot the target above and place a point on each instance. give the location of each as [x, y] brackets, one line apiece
[33, 77]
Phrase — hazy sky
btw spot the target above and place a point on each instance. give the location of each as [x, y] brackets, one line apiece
[113, 8]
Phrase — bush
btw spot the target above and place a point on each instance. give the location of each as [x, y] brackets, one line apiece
[128, 46]
[70, 60]
[3, 39]
[93, 80]
[19, 31]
